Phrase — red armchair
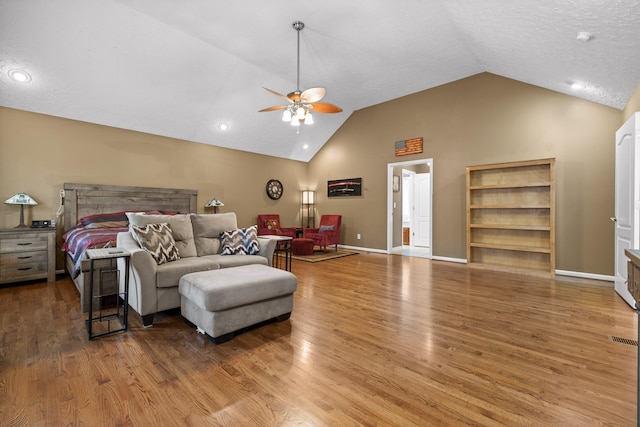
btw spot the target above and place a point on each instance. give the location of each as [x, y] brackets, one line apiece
[270, 224]
[327, 234]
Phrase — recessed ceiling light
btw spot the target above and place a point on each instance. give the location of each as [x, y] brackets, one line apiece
[584, 36]
[223, 126]
[578, 86]
[19, 76]
[305, 146]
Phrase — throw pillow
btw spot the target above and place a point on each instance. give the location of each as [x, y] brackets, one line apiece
[272, 224]
[241, 241]
[157, 240]
[324, 228]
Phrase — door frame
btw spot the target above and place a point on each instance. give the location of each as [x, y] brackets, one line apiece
[390, 167]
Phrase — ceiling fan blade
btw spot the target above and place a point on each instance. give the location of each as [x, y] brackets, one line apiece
[323, 107]
[279, 107]
[313, 94]
[279, 95]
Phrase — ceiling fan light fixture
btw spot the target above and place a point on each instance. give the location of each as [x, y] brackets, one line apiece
[308, 119]
[300, 103]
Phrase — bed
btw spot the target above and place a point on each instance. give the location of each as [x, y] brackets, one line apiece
[101, 208]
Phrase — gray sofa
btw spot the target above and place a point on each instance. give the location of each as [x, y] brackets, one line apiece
[154, 288]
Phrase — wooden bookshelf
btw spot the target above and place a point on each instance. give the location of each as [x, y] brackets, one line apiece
[511, 216]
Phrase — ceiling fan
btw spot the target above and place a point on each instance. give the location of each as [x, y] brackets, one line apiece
[300, 104]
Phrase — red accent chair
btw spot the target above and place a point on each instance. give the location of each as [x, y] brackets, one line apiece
[270, 224]
[327, 234]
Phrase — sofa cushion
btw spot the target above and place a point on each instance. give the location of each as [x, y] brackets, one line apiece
[241, 241]
[168, 275]
[157, 240]
[236, 261]
[234, 287]
[180, 225]
[207, 229]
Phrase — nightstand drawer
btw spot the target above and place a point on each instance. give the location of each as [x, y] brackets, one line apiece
[20, 258]
[23, 244]
[24, 270]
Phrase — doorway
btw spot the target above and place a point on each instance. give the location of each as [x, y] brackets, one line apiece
[419, 184]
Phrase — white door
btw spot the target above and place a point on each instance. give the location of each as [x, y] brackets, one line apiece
[627, 201]
[421, 218]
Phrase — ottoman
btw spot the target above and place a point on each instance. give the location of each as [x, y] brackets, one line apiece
[302, 246]
[225, 302]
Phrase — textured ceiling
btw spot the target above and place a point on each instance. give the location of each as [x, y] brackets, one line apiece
[180, 68]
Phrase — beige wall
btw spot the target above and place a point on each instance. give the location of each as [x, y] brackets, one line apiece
[481, 119]
[633, 105]
[478, 120]
[39, 153]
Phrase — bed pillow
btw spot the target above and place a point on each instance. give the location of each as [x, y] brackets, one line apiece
[241, 241]
[157, 240]
[105, 217]
[324, 228]
[108, 224]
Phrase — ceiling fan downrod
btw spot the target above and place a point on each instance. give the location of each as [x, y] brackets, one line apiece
[298, 26]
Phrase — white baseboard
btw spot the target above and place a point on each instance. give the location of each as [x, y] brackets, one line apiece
[586, 275]
[359, 248]
[568, 273]
[448, 259]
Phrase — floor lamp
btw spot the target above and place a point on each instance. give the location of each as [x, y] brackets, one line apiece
[308, 202]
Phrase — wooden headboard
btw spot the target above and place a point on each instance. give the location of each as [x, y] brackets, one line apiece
[87, 199]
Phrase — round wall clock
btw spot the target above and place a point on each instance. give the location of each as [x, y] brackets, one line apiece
[274, 189]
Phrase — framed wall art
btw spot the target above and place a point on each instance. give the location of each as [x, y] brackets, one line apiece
[344, 187]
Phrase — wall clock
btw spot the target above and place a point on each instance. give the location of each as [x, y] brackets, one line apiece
[274, 189]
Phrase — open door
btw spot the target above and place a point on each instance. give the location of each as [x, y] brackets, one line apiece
[627, 201]
[421, 218]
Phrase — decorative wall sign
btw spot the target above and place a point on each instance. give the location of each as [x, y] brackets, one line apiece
[409, 146]
[344, 187]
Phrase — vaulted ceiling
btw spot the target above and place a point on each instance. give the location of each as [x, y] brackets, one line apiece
[183, 68]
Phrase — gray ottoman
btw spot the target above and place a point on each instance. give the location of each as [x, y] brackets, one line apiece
[224, 302]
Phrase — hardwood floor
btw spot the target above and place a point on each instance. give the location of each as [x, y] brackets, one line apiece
[373, 340]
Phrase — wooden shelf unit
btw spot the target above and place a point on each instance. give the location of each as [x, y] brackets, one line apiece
[511, 217]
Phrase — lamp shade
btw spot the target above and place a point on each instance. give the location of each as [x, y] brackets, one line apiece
[21, 199]
[308, 197]
[213, 203]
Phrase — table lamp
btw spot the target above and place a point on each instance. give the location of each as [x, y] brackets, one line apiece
[215, 204]
[21, 199]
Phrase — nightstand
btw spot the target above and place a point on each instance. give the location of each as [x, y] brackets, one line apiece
[27, 254]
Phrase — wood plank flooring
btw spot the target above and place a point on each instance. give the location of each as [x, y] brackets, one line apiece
[373, 340]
